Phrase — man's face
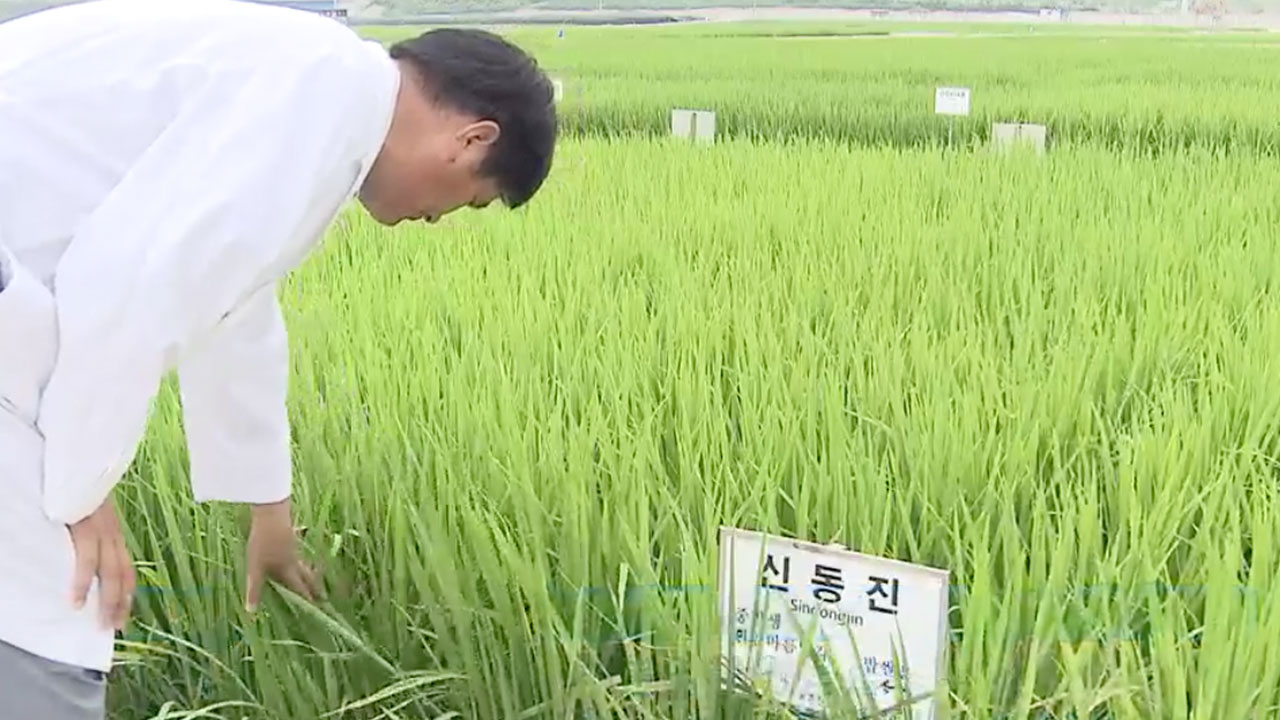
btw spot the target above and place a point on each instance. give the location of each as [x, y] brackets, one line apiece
[435, 174]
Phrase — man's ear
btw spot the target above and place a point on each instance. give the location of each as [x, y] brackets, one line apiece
[481, 132]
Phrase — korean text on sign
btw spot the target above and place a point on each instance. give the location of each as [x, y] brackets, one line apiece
[782, 598]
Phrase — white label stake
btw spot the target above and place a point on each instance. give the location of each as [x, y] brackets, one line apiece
[787, 604]
[1010, 135]
[951, 101]
[699, 125]
[682, 123]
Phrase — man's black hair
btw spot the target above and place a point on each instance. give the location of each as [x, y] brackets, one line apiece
[480, 73]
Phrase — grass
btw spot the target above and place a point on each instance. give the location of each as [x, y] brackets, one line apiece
[517, 435]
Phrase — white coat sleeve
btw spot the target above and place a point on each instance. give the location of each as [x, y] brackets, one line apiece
[215, 210]
[234, 387]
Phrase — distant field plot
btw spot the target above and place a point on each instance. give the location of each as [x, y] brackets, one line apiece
[1119, 87]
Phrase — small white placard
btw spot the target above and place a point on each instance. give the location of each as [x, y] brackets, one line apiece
[697, 125]
[558, 84]
[1007, 136]
[827, 598]
[704, 126]
[951, 101]
[682, 123]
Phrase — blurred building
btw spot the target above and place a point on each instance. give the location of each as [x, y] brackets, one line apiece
[328, 8]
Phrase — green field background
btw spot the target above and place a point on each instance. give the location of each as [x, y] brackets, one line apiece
[1149, 89]
[517, 434]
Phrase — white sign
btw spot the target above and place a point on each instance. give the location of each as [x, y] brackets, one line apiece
[704, 126]
[951, 101]
[1006, 136]
[696, 124]
[786, 605]
[558, 84]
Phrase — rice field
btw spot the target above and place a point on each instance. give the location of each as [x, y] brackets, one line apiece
[517, 434]
[1150, 90]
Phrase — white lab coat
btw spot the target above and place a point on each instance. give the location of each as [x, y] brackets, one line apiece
[162, 164]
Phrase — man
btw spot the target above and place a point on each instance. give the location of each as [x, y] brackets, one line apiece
[162, 164]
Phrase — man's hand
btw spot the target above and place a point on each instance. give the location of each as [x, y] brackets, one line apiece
[101, 552]
[273, 553]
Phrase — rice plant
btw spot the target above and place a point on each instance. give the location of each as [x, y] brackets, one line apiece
[517, 434]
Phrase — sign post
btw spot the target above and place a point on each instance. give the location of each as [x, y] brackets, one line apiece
[821, 625]
[699, 125]
[951, 101]
[1007, 136]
